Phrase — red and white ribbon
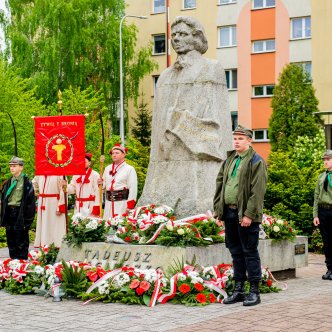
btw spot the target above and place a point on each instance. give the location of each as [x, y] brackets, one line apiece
[166, 297]
[102, 279]
[156, 290]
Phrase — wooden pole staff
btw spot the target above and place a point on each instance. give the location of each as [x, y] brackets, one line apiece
[101, 170]
[64, 177]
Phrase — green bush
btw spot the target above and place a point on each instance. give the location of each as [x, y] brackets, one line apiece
[292, 179]
[3, 240]
[316, 242]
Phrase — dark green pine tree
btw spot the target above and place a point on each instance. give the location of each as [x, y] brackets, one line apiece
[294, 104]
[142, 128]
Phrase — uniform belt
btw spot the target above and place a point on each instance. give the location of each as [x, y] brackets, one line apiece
[232, 206]
[117, 195]
[325, 206]
[86, 199]
[49, 195]
[13, 206]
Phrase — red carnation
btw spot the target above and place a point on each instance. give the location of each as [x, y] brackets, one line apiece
[201, 298]
[199, 286]
[127, 238]
[92, 275]
[131, 273]
[269, 282]
[134, 284]
[212, 298]
[184, 288]
[139, 291]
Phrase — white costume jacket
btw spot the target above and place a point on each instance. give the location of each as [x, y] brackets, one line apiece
[85, 187]
[119, 177]
[51, 227]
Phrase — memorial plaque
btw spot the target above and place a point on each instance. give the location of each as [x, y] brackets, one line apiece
[300, 249]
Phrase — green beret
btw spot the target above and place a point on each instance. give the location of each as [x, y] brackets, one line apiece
[240, 130]
[16, 161]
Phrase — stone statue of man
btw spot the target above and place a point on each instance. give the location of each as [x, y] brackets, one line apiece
[191, 125]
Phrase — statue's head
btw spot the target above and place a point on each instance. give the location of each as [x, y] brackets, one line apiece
[188, 34]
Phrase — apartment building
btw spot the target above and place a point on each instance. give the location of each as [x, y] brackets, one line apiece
[254, 40]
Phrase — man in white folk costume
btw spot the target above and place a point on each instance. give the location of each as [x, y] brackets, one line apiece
[85, 187]
[51, 219]
[120, 184]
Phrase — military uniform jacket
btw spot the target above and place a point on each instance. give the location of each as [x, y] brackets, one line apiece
[27, 209]
[252, 186]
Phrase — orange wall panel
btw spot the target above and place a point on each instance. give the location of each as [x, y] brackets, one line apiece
[263, 68]
[263, 24]
[260, 112]
[260, 118]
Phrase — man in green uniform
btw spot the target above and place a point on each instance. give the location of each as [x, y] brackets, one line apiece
[322, 211]
[238, 205]
[17, 210]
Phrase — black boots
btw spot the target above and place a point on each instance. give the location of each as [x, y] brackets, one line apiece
[238, 294]
[253, 297]
[327, 275]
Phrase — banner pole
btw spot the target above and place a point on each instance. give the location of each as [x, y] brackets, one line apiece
[101, 170]
[64, 177]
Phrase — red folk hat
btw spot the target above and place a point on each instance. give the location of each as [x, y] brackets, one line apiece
[118, 146]
[88, 156]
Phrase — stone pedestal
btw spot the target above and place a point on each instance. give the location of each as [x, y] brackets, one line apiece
[277, 256]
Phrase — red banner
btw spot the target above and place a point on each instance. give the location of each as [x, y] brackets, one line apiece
[60, 145]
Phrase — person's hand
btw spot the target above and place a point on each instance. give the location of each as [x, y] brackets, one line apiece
[63, 183]
[219, 223]
[100, 182]
[58, 213]
[316, 221]
[246, 222]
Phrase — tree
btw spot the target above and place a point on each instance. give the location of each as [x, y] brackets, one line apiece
[293, 104]
[18, 100]
[142, 121]
[63, 43]
[292, 177]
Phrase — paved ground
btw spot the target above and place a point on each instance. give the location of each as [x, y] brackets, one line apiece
[304, 306]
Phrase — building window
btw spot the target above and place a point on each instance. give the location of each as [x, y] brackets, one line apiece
[306, 66]
[259, 4]
[301, 27]
[226, 2]
[159, 44]
[188, 4]
[234, 118]
[158, 6]
[263, 90]
[155, 80]
[231, 79]
[227, 36]
[263, 46]
[261, 135]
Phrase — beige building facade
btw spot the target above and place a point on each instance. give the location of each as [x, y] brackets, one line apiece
[254, 40]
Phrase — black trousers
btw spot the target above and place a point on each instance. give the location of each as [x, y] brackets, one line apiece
[242, 243]
[325, 227]
[17, 240]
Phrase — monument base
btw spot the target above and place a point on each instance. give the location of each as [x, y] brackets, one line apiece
[277, 256]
